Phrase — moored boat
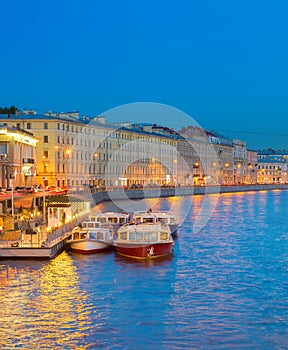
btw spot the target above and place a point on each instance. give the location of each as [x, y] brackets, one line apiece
[87, 240]
[153, 217]
[144, 241]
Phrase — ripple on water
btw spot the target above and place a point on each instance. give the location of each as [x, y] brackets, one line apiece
[225, 287]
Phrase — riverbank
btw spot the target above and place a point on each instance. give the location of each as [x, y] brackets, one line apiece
[118, 194]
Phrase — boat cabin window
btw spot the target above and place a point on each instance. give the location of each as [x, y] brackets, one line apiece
[143, 236]
[132, 236]
[112, 220]
[83, 235]
[163, 220]
[76, 235]
[150, 236]
[148, 220]
[84, 224]
[97, 235]
[90, 225]
[122, 220]
[102, 220]
[164, 236]
[93, 235]
[139, 236]
[172, 220]
[92, 218]
[123, 236]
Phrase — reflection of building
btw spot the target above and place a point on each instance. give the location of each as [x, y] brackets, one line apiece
[17, 157]
[57, 284]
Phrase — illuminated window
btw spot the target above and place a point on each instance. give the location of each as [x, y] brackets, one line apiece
[163, 236]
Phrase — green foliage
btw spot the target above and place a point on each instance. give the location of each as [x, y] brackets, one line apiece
[8, 110]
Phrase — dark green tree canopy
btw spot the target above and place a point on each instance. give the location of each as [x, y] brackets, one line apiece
[8, 110]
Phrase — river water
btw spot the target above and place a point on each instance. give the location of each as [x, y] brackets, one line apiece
[225, 287]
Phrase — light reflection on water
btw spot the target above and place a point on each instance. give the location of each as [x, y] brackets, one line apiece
[225, 287]
[42, 305]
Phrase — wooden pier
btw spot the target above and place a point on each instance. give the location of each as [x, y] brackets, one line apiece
[32, 252]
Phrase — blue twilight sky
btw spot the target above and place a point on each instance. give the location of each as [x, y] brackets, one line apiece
[224, 63]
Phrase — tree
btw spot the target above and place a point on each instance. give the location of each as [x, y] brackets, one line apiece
[8, 110]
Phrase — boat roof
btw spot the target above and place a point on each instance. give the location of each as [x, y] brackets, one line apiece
[109, 214]
[147, 226]
[151, 214]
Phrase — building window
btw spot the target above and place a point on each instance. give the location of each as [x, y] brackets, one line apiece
[3, 148]
[45, 126]
[28, 126]
[45, 154]
[45, 139]
[18, 125]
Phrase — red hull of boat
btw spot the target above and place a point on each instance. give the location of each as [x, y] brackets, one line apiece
[148, 251]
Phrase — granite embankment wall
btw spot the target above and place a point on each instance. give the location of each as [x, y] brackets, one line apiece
[179, 191]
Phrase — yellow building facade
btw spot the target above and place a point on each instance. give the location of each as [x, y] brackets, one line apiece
[74, 151]
[17, 157]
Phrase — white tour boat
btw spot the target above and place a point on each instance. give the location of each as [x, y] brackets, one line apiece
[91, 238]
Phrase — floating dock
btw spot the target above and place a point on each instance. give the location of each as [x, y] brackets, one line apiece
[31, 252]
